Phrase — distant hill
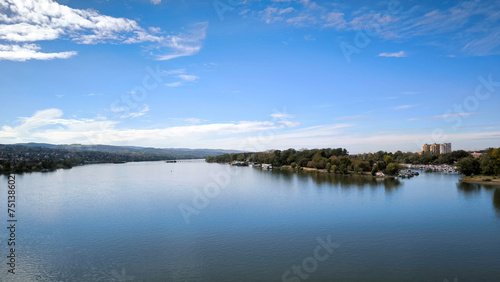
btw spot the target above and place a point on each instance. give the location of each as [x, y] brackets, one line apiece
[182, 153]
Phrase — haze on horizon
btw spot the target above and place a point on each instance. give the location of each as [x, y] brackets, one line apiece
[251, 75]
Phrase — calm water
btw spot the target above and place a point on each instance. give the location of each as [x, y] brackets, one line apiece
[123, 222]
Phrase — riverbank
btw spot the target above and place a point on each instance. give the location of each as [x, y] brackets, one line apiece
[351, 173]
[482, 179]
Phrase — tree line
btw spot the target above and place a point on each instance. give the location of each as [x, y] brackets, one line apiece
[335, 160]
[19, 158]
[339, 161]
[487, 164]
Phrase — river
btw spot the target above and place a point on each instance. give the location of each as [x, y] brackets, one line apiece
[156, 221]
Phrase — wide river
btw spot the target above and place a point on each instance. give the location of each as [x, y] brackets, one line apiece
[155, 221]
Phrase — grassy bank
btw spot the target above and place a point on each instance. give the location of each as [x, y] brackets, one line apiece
[482, 179]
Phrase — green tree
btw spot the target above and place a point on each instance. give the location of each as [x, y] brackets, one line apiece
[49, 164]
[490, 162]
[19, 167]
[388, 159]
[343, 169]
[345, 161]
[381, 165]
[329, 167]
[392, 169]
[469, 166]
[319, 161]
[334, 169]
[7, 166]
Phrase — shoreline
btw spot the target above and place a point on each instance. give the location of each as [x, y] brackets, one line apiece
[324, 171]
[482, 179]
[45, 170]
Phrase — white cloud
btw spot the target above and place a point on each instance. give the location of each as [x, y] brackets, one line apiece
[43, 123]
[445, 116]
[190, 120]
[284, 119]
[399, 54]
[184, 44]
[30, 21]
[156, 2]
[36, 20]
[280, 115]
[286, 10]
[187, 77]
[194, 120]
[177, 71]
[136, 114]
[301, 20]
[180, 73]
[50, 126]
[335, 19]
[269, 15]
[354, 117]
[26, 52]
[174, 84]
[403, 107]
[370, 19]
[471, 27]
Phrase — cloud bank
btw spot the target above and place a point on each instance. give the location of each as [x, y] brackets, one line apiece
[23, 23]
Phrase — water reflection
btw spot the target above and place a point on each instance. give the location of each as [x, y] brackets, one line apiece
[496, 200]
[471, 190]
[344, 181]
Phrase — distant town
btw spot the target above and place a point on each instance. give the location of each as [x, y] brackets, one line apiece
[445, 148]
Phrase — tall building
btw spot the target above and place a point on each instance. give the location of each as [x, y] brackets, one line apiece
[445, 148]
[426, 148]
[437, 148]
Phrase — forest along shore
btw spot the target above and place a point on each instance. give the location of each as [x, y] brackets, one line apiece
[382, 164]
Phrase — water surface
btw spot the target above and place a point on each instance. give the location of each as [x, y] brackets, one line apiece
[123, 222]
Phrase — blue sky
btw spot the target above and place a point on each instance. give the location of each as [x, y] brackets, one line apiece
[251, 75]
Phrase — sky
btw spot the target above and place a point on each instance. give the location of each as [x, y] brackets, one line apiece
[251, 75]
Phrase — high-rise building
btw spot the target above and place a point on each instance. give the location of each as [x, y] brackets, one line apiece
[445, 148]
[437, 148]
[426, 148]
